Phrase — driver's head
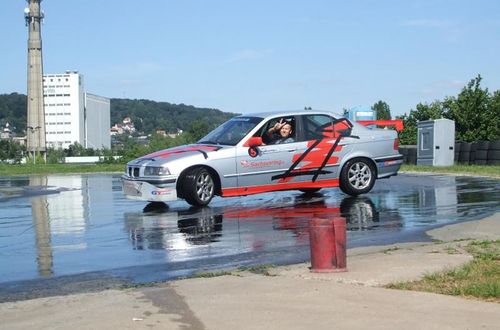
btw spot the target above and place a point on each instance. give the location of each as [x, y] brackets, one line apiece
[286, 130]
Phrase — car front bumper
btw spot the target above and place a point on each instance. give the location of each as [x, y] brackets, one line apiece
[145, 191]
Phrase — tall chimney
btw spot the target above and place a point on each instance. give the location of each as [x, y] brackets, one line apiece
[36, 116]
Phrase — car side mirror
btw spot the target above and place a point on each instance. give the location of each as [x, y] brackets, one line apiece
[254, 141]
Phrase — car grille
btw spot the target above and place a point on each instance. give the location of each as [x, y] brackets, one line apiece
[133, 171]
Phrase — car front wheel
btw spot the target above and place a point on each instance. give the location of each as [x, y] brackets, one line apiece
[199, 187]
[357, 177]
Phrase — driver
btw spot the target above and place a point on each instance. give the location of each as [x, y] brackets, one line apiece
[281, 132]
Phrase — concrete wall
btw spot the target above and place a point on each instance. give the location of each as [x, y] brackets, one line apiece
[97, 122]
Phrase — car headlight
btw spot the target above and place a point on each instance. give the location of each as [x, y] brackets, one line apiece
[156, 171]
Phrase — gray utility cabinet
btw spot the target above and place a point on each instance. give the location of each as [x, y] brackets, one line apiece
[436, 142]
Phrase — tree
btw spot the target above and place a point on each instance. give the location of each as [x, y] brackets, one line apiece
[493, 115]
[55, 156]
[198, 129]
[13, 110]
[475, 112]
[423, 112]
[11, 151]
[383, 110]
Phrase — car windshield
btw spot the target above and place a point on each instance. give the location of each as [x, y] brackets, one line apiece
[232, 131]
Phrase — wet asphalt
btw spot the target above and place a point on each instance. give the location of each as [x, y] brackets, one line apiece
[62, 234]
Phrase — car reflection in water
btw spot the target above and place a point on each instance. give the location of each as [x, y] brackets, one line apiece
[159, 227]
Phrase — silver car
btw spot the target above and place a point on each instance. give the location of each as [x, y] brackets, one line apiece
[242, 157]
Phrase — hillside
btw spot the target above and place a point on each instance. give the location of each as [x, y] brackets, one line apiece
[13, 110]
[147, 115]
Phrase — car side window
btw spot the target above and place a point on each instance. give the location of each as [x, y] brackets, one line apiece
[318, 127]
[270, 136]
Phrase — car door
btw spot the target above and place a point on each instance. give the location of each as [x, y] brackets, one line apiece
[262, 170]
[327, 144]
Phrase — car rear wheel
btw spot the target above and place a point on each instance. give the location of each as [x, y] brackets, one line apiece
[357, 177]
[199, 187]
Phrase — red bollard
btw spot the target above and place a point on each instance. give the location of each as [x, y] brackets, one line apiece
[328, 245]
[322, 245]
[339, 232]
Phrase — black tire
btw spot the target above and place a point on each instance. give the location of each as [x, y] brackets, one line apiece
[310, 191]
[495, 145]
[466, 147]
[493, 154]
[481, 154]
[412, 160]
[357, 176]
[464, 157]
[198, 187]
[483, 145]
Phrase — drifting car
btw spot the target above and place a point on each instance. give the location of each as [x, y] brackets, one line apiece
[239, 158]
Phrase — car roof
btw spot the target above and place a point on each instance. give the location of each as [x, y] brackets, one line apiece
[285, 113]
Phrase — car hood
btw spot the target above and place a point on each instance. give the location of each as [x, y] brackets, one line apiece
[181, 152]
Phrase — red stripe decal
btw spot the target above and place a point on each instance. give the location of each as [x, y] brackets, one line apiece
[231, 192]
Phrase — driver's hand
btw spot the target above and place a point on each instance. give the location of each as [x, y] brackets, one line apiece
[279, 125]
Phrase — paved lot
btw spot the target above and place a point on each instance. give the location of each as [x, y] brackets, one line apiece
[292, 298]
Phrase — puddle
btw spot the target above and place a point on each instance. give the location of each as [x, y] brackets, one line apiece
[69, 225]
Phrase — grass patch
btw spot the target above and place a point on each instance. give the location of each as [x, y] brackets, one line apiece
[139, 285]
[484, 170]
[451, 250]
[212, 274]
[24, 169]
[259, 269]
[391, 249]
[479, 278]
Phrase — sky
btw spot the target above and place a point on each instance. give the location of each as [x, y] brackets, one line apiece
[260, 55]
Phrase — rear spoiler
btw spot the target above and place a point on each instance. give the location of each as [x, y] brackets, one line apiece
[397, 123]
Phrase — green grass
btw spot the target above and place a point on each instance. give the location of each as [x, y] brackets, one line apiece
[212, 274]
[479, 278]
[485, 170]
[259, 269]
[7, 170]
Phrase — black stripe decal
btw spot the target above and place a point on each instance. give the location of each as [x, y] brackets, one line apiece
[294, 165]
[330, 152]
[292, 174]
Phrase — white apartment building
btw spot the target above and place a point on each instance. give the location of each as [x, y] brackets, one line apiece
[71, 115]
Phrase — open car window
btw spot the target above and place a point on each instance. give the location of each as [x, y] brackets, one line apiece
[271, 139]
